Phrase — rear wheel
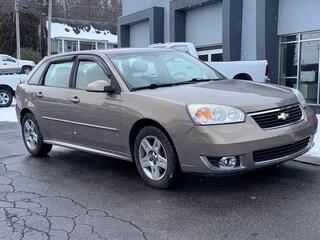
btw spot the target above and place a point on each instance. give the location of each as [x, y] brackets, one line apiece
[6, 97]
[32, 137]
[155, 158]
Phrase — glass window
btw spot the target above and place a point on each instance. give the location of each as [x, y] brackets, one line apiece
[35, 78]
[163, 67]
[309, 70]
[88, 72]
[58, 74]
[8, 59]
[313, 35]
[60, 50]
[203, 57]
[101, 45]
[289, 38]
[217, 57]
[70, 46]
[289, 63]
[87, 45]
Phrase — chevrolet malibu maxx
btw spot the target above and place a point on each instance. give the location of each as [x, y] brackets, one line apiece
[162, 109]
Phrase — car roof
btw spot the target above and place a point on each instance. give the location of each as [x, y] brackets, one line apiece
[110, 51]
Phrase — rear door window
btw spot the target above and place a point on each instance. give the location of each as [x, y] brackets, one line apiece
[58, 74]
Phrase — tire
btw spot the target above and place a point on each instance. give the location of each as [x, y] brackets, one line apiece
[26, 69]
[150, 163]
[6, 97]
[32, 137]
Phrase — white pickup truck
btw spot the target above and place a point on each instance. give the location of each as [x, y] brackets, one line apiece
[246, 70]
[10, 65]
[8, 84]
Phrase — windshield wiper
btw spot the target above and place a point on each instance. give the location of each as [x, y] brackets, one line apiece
[153, 86]
[156, 85]
[194, 80]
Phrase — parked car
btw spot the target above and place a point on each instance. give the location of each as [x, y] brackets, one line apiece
[8, 84]
[9, 64]
[163, 109]
[246, 70]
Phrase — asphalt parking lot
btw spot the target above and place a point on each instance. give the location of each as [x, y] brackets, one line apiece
[76, 195]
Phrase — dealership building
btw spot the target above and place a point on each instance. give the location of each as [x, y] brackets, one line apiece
[284, 32]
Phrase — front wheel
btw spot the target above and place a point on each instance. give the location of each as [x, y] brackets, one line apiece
[32, 137]
[155, 158]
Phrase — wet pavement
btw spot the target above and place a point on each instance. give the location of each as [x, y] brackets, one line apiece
[77, 195]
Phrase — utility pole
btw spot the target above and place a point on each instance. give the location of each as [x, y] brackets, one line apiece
[49, 26]
[16, 11]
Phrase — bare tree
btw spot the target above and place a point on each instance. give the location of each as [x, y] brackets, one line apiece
[67, 6]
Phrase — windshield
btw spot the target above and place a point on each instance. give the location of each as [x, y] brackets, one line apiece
[161, 68]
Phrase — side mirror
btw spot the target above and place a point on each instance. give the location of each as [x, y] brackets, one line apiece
[110, 89]
[97, 86]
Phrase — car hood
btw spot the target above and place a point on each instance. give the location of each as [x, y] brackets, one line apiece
[246, 95]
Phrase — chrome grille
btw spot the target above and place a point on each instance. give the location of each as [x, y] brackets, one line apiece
[278, 117]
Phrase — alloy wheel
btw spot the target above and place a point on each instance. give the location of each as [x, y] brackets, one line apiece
[30, 134]
[153, 158]
[4, 98]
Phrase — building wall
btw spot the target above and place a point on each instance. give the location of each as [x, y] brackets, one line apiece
[131, 6]
[248, 38]
[139, 35]
[207, 34]
[298, 16]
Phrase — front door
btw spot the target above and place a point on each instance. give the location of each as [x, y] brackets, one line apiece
[95, 115]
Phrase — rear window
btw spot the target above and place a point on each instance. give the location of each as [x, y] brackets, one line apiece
[58, 74]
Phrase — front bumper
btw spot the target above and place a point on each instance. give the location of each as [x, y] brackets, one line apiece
[241, 140]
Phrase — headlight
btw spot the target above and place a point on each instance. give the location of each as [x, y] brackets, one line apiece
[207, 114]
[300, 97]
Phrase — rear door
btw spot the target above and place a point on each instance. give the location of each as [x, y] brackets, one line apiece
[95, 115]
[51, 99]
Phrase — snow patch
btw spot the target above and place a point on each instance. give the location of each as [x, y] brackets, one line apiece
[8, 114]
[315, 151]
[62, 30]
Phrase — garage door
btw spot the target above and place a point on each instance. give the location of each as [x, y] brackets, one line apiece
[139, 35]
[204, 25]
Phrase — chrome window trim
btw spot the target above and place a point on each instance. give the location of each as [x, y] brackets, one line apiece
[81, 124]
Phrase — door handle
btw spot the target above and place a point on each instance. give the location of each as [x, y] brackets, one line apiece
[5, 63]
[75, 99]
[39, 94]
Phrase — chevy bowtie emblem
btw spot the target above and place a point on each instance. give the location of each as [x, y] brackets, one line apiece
[283, 116]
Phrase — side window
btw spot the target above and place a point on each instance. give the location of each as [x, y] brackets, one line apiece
[8, 59]
[35, 78]
[88, 72]
[58, 74]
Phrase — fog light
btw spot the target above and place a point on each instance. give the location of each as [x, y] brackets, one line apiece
[228, 162]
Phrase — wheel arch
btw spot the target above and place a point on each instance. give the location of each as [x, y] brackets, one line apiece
[4, 86]
[23, 112]
[243, 76]
[140, 124]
